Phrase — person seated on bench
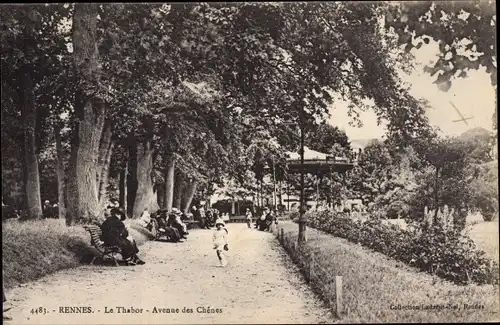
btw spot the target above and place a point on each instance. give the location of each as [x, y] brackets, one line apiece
[260, 219]
[115, 233]
[172, 233]
[174, 221]
[145, 218]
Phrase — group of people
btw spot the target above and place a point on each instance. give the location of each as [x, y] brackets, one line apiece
[265, 221]
[207, 219]
[170, 224]
[50, 210]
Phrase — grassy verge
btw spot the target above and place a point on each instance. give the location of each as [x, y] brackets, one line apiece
[33, 249]
[485, 235]
[374, 285]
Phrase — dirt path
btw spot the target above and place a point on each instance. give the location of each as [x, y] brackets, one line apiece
[259, 285]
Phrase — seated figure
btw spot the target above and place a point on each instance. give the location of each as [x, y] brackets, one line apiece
[115, 233]
[174, 221]
[165, 226]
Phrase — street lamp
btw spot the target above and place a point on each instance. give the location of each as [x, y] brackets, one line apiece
[302, 210]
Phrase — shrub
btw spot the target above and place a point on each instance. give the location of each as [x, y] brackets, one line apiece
[371, 281]
[444, 252]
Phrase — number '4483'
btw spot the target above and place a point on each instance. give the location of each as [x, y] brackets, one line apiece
[39, 311]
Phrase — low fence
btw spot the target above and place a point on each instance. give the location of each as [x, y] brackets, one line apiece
[327, 285]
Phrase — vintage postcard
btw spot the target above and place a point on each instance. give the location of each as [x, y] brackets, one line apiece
[249, 162]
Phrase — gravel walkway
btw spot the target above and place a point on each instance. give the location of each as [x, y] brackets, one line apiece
[259, 285]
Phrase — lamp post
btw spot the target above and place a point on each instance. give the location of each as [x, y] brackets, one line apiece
[274, 184]
[302, 209]
[302, 212]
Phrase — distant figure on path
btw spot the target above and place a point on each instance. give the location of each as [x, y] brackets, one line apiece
[249, 216]
[220, 241]
[225, 217]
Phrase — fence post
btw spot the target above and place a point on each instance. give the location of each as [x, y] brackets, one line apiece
[311, 267]
[338, 296]
[282, 235]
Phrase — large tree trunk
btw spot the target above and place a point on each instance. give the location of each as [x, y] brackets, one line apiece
[123, 184]
[106, 147]
[169, 184]
[104, 178]
[160, 194]
[132, 183]
[179, 191]
[60, 173]
[32, 176]
[193, 185]
[90, 114]
[145, 197]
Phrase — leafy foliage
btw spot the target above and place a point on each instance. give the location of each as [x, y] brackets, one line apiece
[324, 137]
[446, 181]
[486, 190]
[447, 254]
[465, 32]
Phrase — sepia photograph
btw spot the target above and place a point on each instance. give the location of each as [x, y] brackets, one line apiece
[242, 162]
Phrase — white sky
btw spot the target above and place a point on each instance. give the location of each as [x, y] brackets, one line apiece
[474, 96]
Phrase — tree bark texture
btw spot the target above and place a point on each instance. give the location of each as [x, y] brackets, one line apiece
[60, 173]
[169, 184]
[90, 114]
[160, 194]
[145, 196]
[179, 191]
[106, 148]
[193, 186]
[132, 183]
[123, 186]
[32, 176]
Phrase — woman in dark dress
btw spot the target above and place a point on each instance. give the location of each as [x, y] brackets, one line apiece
[115, 233]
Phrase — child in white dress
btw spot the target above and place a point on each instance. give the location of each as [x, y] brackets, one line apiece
[220, 241]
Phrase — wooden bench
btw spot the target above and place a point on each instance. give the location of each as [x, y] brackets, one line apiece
[96, 242]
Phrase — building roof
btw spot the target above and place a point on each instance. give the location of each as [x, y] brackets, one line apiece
[308, 154]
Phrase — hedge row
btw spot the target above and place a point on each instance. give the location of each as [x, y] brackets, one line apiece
[449, 255]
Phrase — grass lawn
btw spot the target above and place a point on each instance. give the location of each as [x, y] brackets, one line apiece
[374, 285]
[35, 248]
[485, 235]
